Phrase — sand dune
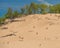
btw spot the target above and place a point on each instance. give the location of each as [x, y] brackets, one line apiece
[32, 31]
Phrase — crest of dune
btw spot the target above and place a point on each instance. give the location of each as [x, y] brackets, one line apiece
[32, 31]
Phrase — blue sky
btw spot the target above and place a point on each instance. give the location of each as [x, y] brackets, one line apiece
[17, 4]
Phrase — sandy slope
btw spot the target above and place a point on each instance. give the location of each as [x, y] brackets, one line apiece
[32, 31]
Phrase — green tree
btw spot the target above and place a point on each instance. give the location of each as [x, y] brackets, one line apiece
[28, 9]
[23, 10]
[15, 14]
[57, 8]
[9, 13]
[2, 20]
[43, 8]
[52, 9]
[34, 7]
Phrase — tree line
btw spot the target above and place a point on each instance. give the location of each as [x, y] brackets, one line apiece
[32, 8]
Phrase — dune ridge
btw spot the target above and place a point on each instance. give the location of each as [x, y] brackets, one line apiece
[32, 31]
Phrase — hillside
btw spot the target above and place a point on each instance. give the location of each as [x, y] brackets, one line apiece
[32, 31]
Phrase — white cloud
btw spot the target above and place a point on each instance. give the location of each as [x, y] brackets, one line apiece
[45, 2]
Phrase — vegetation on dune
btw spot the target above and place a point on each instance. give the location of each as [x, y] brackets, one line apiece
[9, 13]
[55, 8]
[33, 8]
[43, 8]
[15, 14]
[2, 20]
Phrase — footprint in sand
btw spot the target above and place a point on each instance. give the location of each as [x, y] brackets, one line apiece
[39, 19]
[8, 42]
[30, 31]
[21, 38]
[33, 26]
[40, 45]
[56, 38]
[51, 23]
[36, 33]
[46, 28]
[58, 17]
[3, 42]
[46, 38]
[47, 18]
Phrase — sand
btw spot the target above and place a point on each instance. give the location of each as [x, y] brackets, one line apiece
[32, 31]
